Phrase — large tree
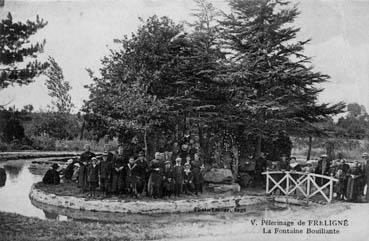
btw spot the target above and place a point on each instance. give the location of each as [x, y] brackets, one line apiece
[17, 59]
[274, 83]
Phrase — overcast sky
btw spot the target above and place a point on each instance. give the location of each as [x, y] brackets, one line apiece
[79, 33]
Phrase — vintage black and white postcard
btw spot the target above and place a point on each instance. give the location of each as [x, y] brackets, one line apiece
[184, 120]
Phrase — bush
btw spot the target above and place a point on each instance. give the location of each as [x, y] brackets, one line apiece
[43, 143]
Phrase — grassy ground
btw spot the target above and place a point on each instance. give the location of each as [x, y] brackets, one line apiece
[16, 227]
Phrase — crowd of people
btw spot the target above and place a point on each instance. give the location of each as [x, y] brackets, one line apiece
[117, 173]
[353, 177]
[180, 171]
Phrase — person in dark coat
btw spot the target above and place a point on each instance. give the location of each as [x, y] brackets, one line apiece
[132, 178]
[69, 170]
[84, 160]
[156, 176]
[93, 176]
[142, 166]
[119, 165]
[178, 177]
[168, 179]
[197, 177]
[366, 175]
[187, 179]
[323, 168]
[105, 171]
[354, 183]
[52, 175]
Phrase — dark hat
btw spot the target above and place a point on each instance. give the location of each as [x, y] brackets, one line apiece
[55, 166]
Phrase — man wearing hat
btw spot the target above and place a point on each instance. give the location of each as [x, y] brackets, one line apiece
[52, 175]
[323, 167]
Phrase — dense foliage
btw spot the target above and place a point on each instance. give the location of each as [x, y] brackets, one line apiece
[241, 74]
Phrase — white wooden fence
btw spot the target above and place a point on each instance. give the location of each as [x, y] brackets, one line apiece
[309, 185]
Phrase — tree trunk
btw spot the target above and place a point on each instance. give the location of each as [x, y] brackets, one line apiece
[330, 145]
[145, 143]
[258, 147]
[201, 141]
[310, 143]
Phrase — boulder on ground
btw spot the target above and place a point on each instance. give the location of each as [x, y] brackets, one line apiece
[221, 188]
[219, 175]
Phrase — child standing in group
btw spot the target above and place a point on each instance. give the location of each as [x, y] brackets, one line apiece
[187, 179]
[168, 182]
[178, 177]
[132, 177]
[92, 177]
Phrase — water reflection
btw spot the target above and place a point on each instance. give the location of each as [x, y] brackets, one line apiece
[13, 171]
[14, 194]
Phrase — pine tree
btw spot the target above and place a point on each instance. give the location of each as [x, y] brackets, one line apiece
[15, 49]
[275, 86]
[59, 88]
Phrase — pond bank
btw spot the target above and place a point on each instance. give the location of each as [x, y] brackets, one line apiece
[215, 202]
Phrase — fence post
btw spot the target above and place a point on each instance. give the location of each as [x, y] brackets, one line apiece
[308, 188]
[287, 183]
[330, 188]
[267, 182]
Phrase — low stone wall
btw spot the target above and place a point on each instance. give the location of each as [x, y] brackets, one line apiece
[143, 207]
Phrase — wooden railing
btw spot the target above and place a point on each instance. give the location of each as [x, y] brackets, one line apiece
[311, 186]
